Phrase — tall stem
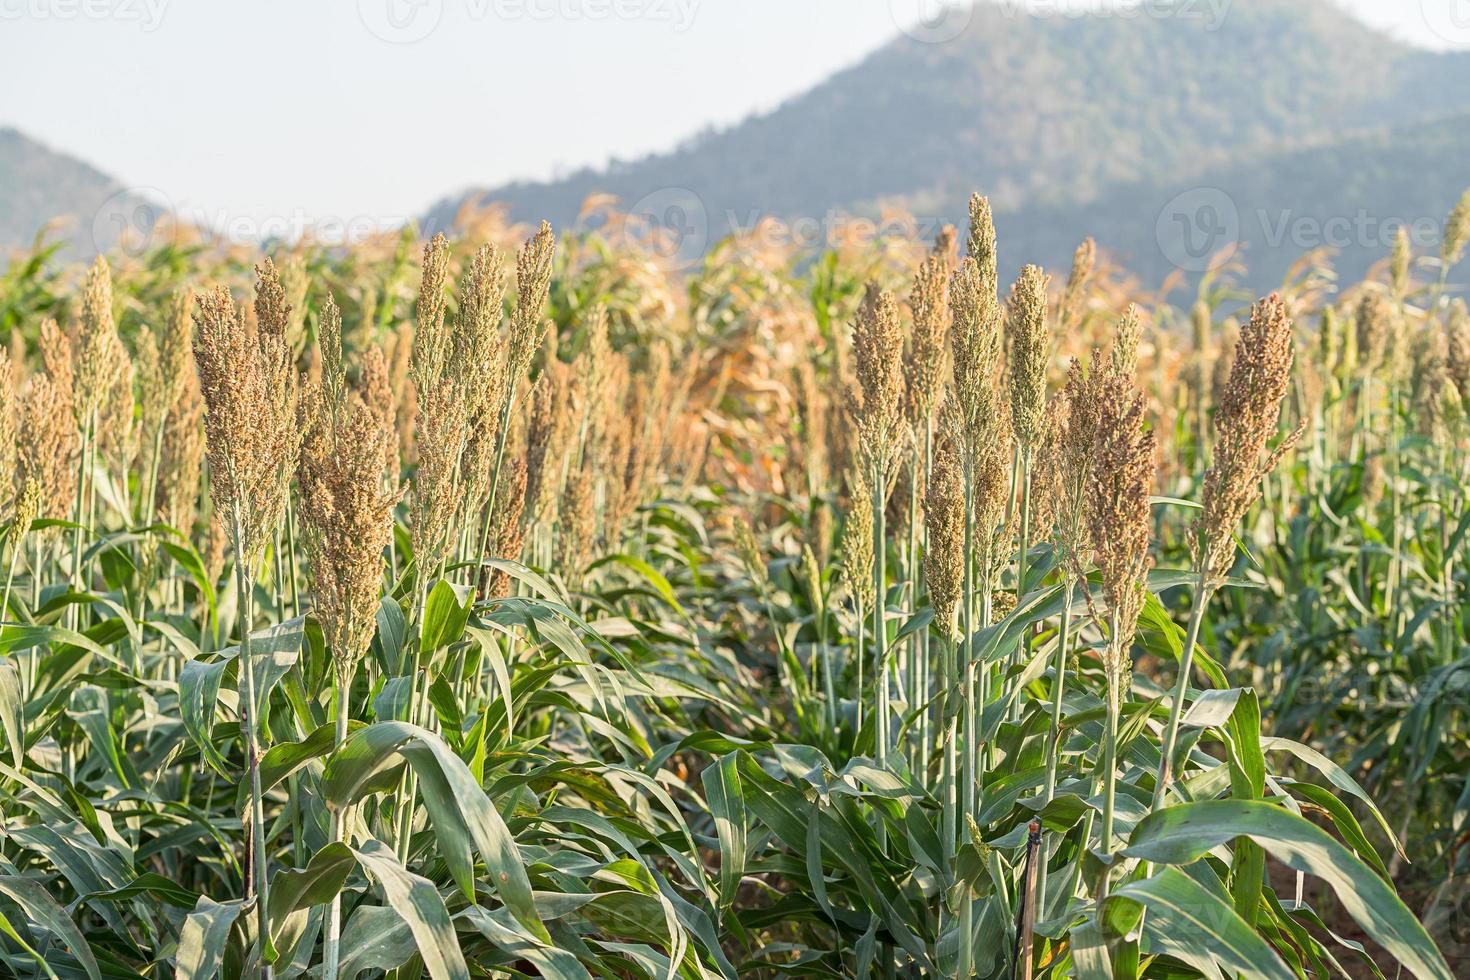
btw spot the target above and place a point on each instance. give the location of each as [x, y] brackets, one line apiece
[250, 711]
[965, 679]
[880, 667]
[1054, 734]
[500, 440]
[1202, 593]
[1110, 755]
[332, 944]
[1018, 655]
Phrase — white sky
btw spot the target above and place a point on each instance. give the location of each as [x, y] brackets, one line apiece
[299, 109]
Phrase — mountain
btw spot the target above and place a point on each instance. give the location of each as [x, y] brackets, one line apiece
[39, 185]
[1059, 119]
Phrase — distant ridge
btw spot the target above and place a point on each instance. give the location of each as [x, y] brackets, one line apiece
[39, 186]
[1074, 126]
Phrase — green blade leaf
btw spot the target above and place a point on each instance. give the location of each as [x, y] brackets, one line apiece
[1183, 834]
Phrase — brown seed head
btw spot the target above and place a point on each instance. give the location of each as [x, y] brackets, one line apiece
[1248, 416]
[548, 432]
[49, 445]
[431, 341]
[1125, 343]
[1456, 232]
[857, 540]
[250, 393]
[1398, 264]
[1373, 326]
[877, 343]
[1081, 419]
[329, 343]
[1084, 261]
[533, 284]
[9, 486]
[944, 519]
[26, 510]
[155, 393]
[1431, 387]
[346, 520]
[1457, 347]
[982, 244]
[96, 359]
[478, 355]
[576, 522]
[1117, 506]
[927, 349]
[116, 440]
[377, 392]
[1030, 353]
[976, 341]
[181, 456]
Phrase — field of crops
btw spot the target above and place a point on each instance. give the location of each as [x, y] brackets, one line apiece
[516, 605]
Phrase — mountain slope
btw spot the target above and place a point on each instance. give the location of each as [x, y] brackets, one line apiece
[1350, 196]
[1040, 113]
[39, 185]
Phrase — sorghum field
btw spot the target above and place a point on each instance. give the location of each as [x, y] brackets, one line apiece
[515, 606]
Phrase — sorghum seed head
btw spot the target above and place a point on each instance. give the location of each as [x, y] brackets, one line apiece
[1398, 263]
[1248, 416]
[1457, 347]
[927, 351]
[1084, 261]
[857, 540]
[1030, 353]
[1373, 328]
[533, 284]
[944, 519]
[346, 519]
[1456, 232]
[877, 343]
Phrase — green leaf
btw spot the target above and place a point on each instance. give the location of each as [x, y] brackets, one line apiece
[1182, 834]
[293, 893]
[1198, 927]
[459, 810]
[418, 904]
[202, 941]
[445, 614]
[727, 805]
[12, 710]
[45, 912]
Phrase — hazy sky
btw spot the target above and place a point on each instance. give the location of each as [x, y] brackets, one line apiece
[297, 110]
